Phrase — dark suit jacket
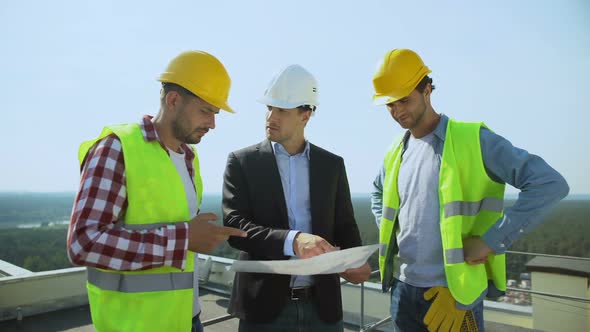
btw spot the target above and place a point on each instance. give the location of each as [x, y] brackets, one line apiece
[253, 201]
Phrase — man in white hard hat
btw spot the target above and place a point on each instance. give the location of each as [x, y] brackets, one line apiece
[439, 204]
[293, 200]
[136, 222]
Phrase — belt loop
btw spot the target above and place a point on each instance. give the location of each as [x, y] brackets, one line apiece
[300, 293]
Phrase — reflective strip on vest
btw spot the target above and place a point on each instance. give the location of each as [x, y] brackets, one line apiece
[454, 256]
[382, 249]
[144, 227]
[473, 208]
[388, 213]
[136, 283]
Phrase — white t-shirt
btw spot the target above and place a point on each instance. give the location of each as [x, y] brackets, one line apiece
[191, 197]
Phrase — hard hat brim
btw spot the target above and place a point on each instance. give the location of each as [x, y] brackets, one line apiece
[227, 108]
[217, 103]
[384, 100]
[380, 99]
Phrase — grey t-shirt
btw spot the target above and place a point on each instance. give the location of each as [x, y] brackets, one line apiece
[420, 255]
[541, 188]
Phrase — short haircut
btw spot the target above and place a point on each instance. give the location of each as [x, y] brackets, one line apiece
[422, 85]
[167, 87]
[305, 108]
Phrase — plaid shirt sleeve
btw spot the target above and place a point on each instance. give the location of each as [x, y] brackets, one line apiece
[94, 239]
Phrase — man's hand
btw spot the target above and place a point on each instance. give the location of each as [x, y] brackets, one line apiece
[358, 275]
[204, 236]
[475, 250]
[307, 245]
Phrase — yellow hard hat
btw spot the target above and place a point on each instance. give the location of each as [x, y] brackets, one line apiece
[397, 75]
[202, 74]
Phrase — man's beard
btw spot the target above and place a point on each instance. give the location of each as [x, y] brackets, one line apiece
[184, 134]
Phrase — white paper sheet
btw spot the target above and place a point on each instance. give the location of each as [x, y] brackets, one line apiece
[331, 262]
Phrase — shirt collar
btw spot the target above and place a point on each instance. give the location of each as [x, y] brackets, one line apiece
[441, 128]
[278, 148]
[148, 129]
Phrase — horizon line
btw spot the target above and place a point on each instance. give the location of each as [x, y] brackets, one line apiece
[219, 193]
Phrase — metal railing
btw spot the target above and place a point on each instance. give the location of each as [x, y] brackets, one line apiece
[557, 296]
[363, 328]
[217, 320]
[548, 255]
[374, 325]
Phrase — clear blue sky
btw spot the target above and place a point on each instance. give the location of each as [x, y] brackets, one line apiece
[70, 67]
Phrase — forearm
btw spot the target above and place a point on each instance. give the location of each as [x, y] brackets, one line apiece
[530, 209]
[262, 240]
[91, 243]
[541, 187]
[377, 196]
[96, 236]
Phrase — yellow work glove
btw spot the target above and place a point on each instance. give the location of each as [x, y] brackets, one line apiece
[443, 314]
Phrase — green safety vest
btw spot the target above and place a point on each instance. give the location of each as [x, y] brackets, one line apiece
[470, 203]
[159, 299]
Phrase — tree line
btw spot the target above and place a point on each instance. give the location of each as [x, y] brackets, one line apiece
[40, 249]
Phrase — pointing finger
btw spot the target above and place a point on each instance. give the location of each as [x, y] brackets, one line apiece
[230, 231]
[326, 247]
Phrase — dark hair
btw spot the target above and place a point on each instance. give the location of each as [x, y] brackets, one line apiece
[305, 108]
[167, 87]
[422, 85]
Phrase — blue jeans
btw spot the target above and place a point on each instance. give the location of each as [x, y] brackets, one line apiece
[297, 316]
[197, 326]
[408, 308]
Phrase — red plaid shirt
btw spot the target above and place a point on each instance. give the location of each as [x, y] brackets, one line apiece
[93, 238]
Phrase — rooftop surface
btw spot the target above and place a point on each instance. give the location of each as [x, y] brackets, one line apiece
[214, 305]
[78, 319]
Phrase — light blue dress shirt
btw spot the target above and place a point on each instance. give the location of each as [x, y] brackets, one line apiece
[294, 171]
[541, 187]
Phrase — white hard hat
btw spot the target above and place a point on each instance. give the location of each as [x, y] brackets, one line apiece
[291, 87]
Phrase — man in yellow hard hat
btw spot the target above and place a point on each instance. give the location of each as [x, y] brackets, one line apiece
[438, 201]
[292, 198]
[136, 223]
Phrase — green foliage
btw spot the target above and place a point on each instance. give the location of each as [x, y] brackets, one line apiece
[35, 249]
[17, 208]
[564, 231]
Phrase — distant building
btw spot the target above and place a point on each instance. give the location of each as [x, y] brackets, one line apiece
[561, 276]
[525, 284]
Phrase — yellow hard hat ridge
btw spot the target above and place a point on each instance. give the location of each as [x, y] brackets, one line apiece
[397, 75]
[202, 74]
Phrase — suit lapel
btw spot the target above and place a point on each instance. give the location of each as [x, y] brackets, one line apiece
[316, 188]
[268, 167]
